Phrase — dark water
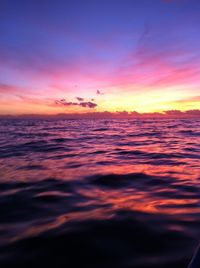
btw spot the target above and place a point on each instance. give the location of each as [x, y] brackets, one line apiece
[104, 193]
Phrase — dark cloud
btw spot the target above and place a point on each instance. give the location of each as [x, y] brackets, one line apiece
[195, 113]
[99, 92]
[88, 104]
[63, 102]
[80, 99]
[84, 104]
[100, 115]
[173, 113]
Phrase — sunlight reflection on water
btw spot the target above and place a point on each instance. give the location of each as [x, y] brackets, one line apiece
[69, 181]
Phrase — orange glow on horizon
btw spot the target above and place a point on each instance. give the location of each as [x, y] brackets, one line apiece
[147, 101]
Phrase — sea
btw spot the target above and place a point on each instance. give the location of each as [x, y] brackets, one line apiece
[102, 193]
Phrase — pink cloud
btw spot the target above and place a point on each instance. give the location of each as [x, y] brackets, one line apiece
[190, 99]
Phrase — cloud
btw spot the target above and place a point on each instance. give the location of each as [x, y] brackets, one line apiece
[180, 114]
[34, 100]
[88, 104]
[190, 99]
[99, 92]
[195, 113]
[9, 89]
[30, 100]
[84, 104]
[163, 57]
[148, 51]
[80, 99]
[174, 114]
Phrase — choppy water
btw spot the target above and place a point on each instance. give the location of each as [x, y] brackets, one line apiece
[99, 193]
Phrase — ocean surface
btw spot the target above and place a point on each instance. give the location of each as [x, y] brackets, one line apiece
[99, 193]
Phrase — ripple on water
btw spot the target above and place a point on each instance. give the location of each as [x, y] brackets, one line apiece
[101, 193]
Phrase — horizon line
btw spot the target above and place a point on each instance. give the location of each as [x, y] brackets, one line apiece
[195, 113]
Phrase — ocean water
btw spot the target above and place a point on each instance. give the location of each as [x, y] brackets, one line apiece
[99, 193]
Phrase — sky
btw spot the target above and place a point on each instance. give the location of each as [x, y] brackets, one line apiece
[81, 56]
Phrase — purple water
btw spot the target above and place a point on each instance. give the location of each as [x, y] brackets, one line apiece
[99, 193]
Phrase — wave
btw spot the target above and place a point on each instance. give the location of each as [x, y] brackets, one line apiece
[119, 193]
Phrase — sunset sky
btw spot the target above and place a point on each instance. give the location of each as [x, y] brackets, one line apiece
[99, 55]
